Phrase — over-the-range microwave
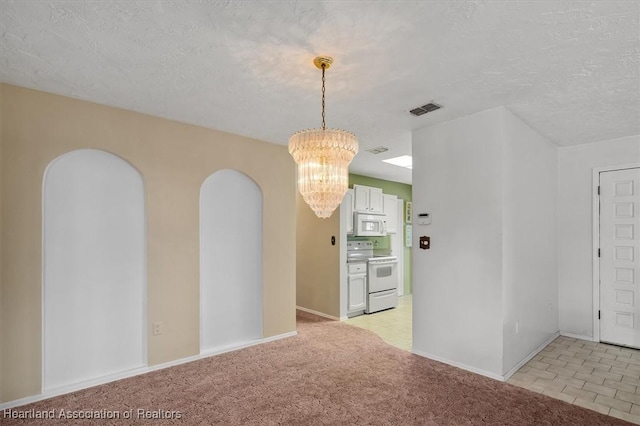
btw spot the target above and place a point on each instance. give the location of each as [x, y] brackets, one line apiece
[369, 225]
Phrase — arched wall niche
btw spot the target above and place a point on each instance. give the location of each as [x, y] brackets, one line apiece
[231, 257]
[94, 268]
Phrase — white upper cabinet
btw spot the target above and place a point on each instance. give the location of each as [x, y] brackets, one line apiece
[375, 200]
[361, 202]
[368, 199]
[346, 209]
[390, 207]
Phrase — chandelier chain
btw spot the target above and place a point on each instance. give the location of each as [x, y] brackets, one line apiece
[323, 115]
[323, 157]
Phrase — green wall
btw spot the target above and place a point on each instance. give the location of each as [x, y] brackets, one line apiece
[403, 191]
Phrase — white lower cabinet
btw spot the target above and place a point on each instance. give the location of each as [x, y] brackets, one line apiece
[357, 288]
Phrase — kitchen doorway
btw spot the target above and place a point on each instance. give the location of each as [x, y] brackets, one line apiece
[394, 325]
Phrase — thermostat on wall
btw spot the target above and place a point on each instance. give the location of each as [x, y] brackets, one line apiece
[424, 218]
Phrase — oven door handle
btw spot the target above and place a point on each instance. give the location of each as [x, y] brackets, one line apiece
[383, 262]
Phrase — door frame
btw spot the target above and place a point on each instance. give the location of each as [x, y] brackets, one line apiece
[398, 242]
[596, 239]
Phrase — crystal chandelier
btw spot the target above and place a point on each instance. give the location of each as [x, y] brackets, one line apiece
[323, 157]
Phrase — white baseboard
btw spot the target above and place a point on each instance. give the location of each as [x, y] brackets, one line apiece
[222, 350]
[531, 355]
[501, 378]
[320, 314]
[578, 336]
[50, 393]
[353, 315]
[459, 365]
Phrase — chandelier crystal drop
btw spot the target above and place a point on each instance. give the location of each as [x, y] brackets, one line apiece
[323, 157]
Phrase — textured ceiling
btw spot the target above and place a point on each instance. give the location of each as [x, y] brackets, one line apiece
[568, 69]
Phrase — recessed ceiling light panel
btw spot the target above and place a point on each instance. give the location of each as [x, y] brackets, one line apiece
[405, 161]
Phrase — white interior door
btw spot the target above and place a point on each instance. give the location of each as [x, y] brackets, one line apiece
[619, 257]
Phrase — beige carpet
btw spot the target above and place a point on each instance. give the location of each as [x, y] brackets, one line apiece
[330, 374]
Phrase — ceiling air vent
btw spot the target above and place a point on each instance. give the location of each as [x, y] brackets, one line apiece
[378, 150]
[425, 109]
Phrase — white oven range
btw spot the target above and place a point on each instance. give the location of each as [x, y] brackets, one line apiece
[382, 283]
[382, 276]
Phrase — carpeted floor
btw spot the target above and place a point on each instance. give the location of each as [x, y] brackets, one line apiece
[330, 374]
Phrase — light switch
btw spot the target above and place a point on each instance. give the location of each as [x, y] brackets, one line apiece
[424, 218]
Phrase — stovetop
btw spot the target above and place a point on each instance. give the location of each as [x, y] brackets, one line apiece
[363, 251]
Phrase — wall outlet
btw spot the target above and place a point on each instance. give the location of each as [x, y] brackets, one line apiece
[549, 307]
[157, 328]
[517, 327]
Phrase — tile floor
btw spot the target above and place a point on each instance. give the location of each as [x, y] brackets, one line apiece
[393, 325]
[601, 377]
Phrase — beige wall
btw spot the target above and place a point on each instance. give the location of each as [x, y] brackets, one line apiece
[318, 262]
[174, 159]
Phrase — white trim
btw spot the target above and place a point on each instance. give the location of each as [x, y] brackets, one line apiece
[398, 238]
[136, 372]
[595, 263]
[344, 210]
[494, 376]
[320, 314]
[232, 348]
[595, 182]
[578, 336]
[460, 365]
[527, 358]
[353, 315]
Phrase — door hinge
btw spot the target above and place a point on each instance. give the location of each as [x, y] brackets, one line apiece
[598, 314]
[598, 252]
[598, 189]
